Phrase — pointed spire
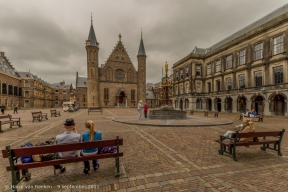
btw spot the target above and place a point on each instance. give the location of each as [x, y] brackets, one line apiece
[92, 36]
[141, 47]
[119, 36]
[91, 19]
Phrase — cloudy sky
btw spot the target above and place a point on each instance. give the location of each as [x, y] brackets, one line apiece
[48, 37]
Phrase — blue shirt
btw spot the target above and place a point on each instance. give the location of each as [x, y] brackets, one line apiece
[254, 113]
[86, 138]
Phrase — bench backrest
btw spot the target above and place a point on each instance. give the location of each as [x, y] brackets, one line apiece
[91, 108]
[18, 152]
[36, 113]
[5, 116]
[258, 134]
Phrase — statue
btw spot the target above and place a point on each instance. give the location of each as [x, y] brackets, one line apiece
[166, 67]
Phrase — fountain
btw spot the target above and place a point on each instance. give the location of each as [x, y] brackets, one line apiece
[166, 110]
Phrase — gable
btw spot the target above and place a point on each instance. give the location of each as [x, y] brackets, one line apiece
[119, 55]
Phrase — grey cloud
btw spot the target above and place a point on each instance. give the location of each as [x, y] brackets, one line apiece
[48, 37]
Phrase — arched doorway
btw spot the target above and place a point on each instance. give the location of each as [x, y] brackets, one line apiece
[186, 103]
[258, 104]
[217, 104]
[228, 104]
[241, 104]
[209, 104]
[278, 105]
[121, 98]
[198, 104]
[181, 104]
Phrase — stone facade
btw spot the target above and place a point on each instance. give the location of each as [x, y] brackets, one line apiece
[116, 83]
[246, 70]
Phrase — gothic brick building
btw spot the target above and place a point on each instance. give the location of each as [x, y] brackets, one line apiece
[248, 69]
[116, 83]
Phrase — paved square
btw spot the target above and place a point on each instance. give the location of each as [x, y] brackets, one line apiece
[155, 158]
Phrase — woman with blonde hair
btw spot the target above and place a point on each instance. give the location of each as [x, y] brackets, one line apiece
[88, 136]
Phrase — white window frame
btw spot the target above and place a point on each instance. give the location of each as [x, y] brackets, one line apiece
[218, 66]
[278, 46]
[242, 57]
[209, 71]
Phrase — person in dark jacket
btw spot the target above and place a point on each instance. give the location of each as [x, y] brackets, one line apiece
[15, 109]
[2, 108]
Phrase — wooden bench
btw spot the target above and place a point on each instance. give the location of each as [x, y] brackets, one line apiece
[7, 119]
[39, 115]
[259, 117]
[95, 109]
[14, 154]
[190, 112]
[54, 113]
[229, 145]
[206, 113]
[216, 114]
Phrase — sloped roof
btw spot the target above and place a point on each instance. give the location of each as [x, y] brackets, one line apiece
[92, 36]
[150, 95]
[29, 75]
[6, 67]
[199, 50]
[141, 50]
[60, 86]
[258, 23]
[81, 82]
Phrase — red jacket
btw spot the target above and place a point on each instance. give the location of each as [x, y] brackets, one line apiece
[145, 107]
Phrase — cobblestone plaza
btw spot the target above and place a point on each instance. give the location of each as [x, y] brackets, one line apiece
[155, 158]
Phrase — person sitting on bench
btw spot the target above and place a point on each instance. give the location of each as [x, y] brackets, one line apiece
[88, 136]
[69, 136]
[253, 113]
[247, 127]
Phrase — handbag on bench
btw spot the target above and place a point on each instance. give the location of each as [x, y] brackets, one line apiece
[47, 156]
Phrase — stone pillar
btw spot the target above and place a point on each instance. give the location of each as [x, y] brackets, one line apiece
[193, 103]
[248, 105]
[234, 106]
[266, 107]
[190, 104]
[223, 105]
[126, 101]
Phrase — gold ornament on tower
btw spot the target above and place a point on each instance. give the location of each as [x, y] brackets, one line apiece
[166, 89]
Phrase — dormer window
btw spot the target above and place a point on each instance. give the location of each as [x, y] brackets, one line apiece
[187, 74]
[181, 74]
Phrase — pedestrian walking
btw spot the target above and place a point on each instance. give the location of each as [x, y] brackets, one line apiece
[15, 109]
[140, 106]
[2, 108]
[145, 110]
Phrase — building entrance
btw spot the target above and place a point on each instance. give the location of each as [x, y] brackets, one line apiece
[217, 104]
[278, 105]
[209, 104]
[228, 105]
[242, 104]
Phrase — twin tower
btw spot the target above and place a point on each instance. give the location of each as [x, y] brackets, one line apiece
[115, 83]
